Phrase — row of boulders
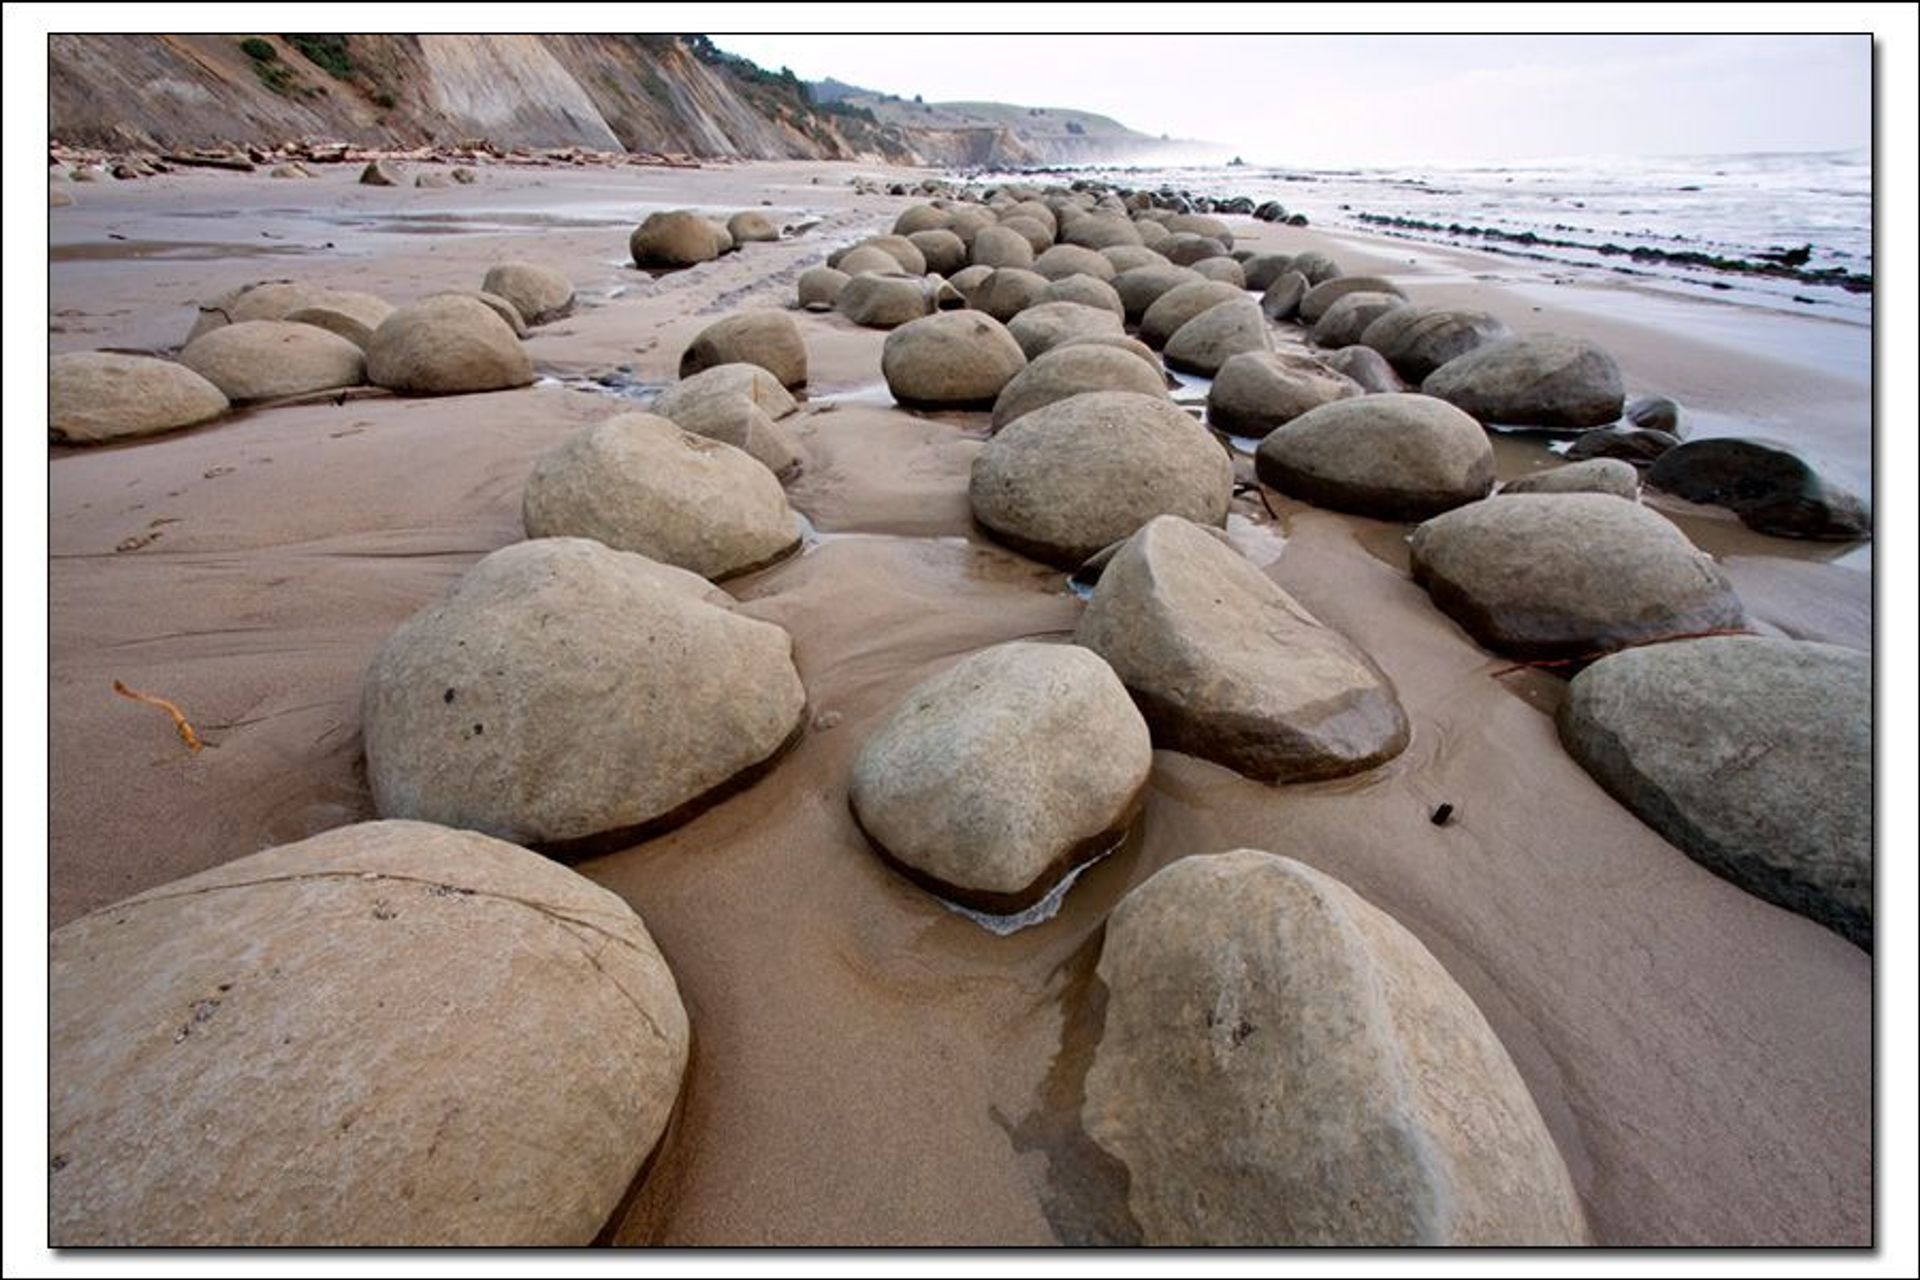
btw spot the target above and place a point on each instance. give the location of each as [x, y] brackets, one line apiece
[676, 238]
[382, 172]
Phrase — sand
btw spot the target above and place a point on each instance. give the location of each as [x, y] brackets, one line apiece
[870, 1067]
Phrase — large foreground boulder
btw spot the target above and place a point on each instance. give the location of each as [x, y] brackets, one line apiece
[639, 483]
[389, 1034]
[1256, 391]
[1065, 480]
[538, 293]
[769, 339]
[995, 779]
[1395, 456]
[1073, 369]
[1418, 340]
[565, 694]
[950, 360]
[736, 404]
[266, 359]
[1753, 755]
[1282, 1064]
[1772, 489]
[1569, 575]
[1229, 667]
[1546, 380]
[676, 238]
[446, 345]
[98, 396]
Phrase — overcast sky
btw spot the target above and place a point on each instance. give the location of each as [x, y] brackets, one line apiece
[1317, 100]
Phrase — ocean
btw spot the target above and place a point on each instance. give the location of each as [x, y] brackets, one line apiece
[1691, 224]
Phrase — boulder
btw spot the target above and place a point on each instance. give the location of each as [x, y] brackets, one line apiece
[1038, 238]
[1180, 304]
[433, 181]
[1262, 269]
[1545, 380]
[464, 176]
[1216, 335]
[676, 238]
[1035, 210]
[1126, 257]
[750, 226]
[1569, 575]
[1366, 367]
[1007, 292]
[1225, 270]
[1140, 287]
[1639, 447]
[967, 280]
[1073, 369]
[262, 300]
[736, 404]
[389, 1034]
[967, 222]
[920, 217]
[1315, 302]
[379, 173]
[1201, 224]
[538, 293]
[866, 260]
[769, 339]
[267, 359]
[1596, 475]
[941, 248]
[1317, 267]
[1063, 481]
[1227, 666]
[639, 483]
[901, 250]
[1341, 324]
[1088, 291]
[1100, 231]
[1418, 340]
[58, 198]
[1001, 247]
[1256, 391]
[1281, 301]
[293, 170]
[820, 286]
[1656, 413]
[950, 360]
[508, 313]
[1000, 776]
[1063, 260]
[749, 381]
[1767, 485]
[354, 316]
[1282, 1064]
[1121, 342]
[446, 345]
[94, 397]
[1390, 457]
[1184, 248]
[569, 695]
[1753, 755]
[1152, 235]
[1047, 324]
[884, 301]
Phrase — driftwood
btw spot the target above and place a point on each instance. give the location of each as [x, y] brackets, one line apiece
[239, 164]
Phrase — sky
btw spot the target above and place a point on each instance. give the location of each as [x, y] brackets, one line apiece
[1332, 100]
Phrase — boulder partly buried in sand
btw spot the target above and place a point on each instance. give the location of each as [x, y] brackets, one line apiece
[769, 339]
[98, 396]
[736, 404]
[1256, 391]
[1283, 1064]
[527, 705]
[266, 359]
[1229, 667]
[1392, 457]
[1545, 380]
[1753, 755]
[750, 226]
[538, 293]
[1074, 369]
[354, 316]
[390, 1034]
[1569, 575]
[379, 173]
[950, 360]
[1596, 475]
[1218, 334]
[1007, 291]
[1637, 446]
[1046, 325]
[819, 287]
[1067, 479]
[995, 779]
[676, 238]
[1772, 489]
[637, 482]
[878, 301]
[445, 346]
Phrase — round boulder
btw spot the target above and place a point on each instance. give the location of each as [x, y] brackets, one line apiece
[1546, 380]
[769, 339]
[996, 779]
[1638, 447]
[446, 345]
[1771, 489]
[1753, 755]
[1035, 233]
[1001, 247]
[884, 301]
[1281, 301]
[1256, 391]
[1125, 257]
[462, 1042]
[1282, 1064]
[1063, 481]
[639, 483]
[677, 238]
[354, 316]
[1046, 325]
[266, 359]
[1180, 304]
[1007, 292]
[538, 293]
[1390, 457]
[1262, 269]
[1140, 287]
[1342, 323]
[1071, 370]
[1184, 248]
[98, 396]
[1315, 266]
[1216, 335]
[1418, 340]
[1063, 260]
[1569, 575]
[950, 360]
[1366, 367]
[1088, 291]
[1227, 666]
[920, 217]
[1315, 302]
[864, 259]
[1099, 231]
[1225, 270]
[1596, 475]
[819, 287]
[736, 404]
[749, 226]
[568, 695]
[262, 300]
[941, 248]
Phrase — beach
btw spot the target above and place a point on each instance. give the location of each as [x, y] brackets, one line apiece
[869, 1066]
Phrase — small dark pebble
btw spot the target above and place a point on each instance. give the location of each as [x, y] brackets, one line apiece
[1442, 815]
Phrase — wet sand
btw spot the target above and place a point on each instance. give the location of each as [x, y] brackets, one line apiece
[870, 1067]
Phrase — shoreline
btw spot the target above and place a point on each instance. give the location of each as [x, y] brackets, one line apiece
[873, 1068]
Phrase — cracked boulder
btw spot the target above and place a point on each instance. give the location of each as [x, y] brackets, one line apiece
[389, 1034]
